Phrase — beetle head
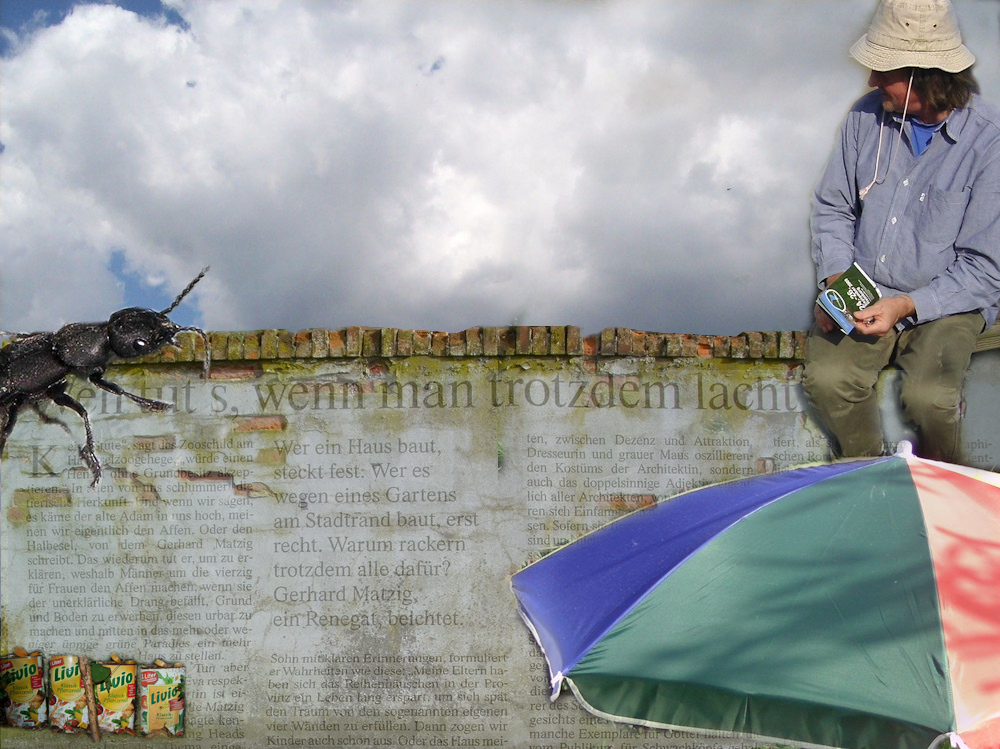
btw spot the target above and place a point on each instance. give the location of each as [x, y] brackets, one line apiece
[135, 332]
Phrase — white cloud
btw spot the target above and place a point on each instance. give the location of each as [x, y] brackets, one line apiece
[431, 164]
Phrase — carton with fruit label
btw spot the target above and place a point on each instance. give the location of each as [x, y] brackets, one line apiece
[116, 698]
[67, 700]
[161, 699]
[22, 680]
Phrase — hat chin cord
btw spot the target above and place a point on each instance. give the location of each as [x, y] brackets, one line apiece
[878, 151]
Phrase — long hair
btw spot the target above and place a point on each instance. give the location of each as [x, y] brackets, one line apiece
[943, 91]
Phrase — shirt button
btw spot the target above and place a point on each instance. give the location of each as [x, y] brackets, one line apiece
[882, 259]
[906, 183]
[894, 220]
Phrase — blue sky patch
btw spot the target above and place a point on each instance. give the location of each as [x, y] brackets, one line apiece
[139, 293]
[27, 15]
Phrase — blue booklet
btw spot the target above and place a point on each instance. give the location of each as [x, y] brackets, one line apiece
[850, 293]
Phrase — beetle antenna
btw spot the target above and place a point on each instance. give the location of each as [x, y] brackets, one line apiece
[184, 293]
[208, 348]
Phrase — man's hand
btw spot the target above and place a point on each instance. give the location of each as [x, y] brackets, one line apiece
[823, 320]
[881, 317]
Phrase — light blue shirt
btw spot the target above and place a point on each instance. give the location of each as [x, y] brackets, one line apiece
[931, 227]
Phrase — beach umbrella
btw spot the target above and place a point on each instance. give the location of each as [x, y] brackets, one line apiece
[852, 605]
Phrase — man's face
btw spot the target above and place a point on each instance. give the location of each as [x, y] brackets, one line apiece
[893, 84]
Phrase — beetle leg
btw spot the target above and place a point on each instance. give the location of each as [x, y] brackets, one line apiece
[147, 403]
[46, 419]
[8, 415]
[87, 451]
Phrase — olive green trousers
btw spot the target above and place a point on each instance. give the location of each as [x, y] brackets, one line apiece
[841, 372]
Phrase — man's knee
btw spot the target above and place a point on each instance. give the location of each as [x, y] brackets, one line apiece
[924, 399]
[824, 383]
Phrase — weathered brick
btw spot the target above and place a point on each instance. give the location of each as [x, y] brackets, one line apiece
[320, 344]
[738, 347]
[236, 370]
[234, 346]
[387, 345]
[269, 344]
[508, 341]
[251, 345]
[786, 345]
[303, 344]
[474, 342]
[652, 344]
[639, 342]
[337, 345]
[689, 345]
[755, 343]
[623, 341]
[800, 337]
[220, 345]
[770, 345]
[439, 343]
[371, 344]
[259, 423]
[539, 345]
[352, 341]
[491, 341]
[574, 340]
[286, 344]
[522, 340]
[557, 340]
[608, 342]
[404, 342]
[421, 342]
[190, 346]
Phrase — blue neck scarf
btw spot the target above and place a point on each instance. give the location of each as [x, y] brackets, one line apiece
[922, 134]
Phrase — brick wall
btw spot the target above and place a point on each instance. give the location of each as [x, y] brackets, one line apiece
[486, 341]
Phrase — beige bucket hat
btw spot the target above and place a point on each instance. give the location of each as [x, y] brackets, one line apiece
[913, 34]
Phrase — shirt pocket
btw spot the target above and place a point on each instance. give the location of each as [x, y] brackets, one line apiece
[940, 217]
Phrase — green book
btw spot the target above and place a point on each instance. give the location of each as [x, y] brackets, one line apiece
[850, 293]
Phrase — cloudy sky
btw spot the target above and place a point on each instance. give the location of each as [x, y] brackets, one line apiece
[433, 164]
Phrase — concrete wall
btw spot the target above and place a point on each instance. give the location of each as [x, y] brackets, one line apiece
[323, 531]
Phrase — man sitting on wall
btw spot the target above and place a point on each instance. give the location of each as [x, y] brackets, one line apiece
[912, 194]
